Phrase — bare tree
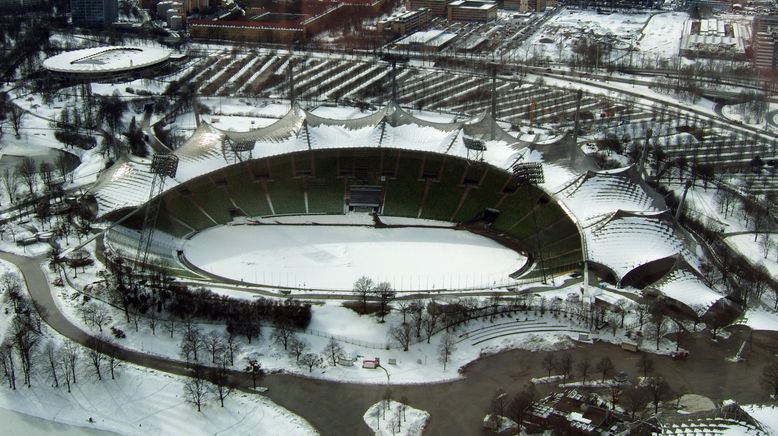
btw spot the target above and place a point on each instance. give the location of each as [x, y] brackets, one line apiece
[584, 366]
[69, 357]
[7, 360]
[152, 320]
[191, 341]
[605, 367]
[416, 311]
[283, 333]
[384, 293]
[645, 364]
[520, 405]
[26, 338]
[52, 358]
[497, 407]
[446, 347]
[254, 369]
[634, 399]
[658, 390]
[404, 306]
[623, 308]
[232, 347]
[765, 244]
[28, 171]
[113, 361]
[222, 387]
[10, 183]
[658, 326]
[95, 315]
[430, 323]
[96, 356]
[171, 326]
[549, 363]
[11, 286]
[333, 351]
[310, 360]
[769, 379]
[196, 390]
[566, 366]
[298, 346]
[402, 335]
[214, 344]
[362, 289]
[16, 116]
[641, 310]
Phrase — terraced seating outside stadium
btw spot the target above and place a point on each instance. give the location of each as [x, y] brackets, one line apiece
[252, 187]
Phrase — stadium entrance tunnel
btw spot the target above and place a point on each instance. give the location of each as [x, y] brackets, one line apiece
[333, 257]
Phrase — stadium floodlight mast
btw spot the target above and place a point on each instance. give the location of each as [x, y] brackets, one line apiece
[162, 167]
[475, 148]
[531, 174]
[234, 150]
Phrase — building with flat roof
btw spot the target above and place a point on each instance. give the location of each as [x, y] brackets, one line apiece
[437, 7]
[430, 40]
[765, 32]
[714, 38]
[405, 22]
[94, 13]
[525, 5]
[472, 10]
[107, 63]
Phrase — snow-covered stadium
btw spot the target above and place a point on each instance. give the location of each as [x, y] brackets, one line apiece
[413, 173]
[107, 62]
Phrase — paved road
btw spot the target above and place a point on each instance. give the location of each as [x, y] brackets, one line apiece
[456, 407]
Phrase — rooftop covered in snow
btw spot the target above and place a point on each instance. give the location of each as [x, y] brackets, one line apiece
[128, 182]
[106, 60]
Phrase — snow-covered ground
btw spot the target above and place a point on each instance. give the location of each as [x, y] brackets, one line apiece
[122, 405]
[390, 417]
[334, 257]
[621, 30]
[661, 36]
[745, 245]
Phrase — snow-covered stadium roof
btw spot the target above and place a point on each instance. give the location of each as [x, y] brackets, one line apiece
[624, 241]
[685, 286]
[128, 182]
[106, 59]
[598, 193]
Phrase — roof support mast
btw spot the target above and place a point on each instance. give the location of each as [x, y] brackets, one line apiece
[162, 167]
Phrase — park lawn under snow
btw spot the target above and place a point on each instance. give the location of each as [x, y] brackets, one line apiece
[745, 245]
[397, 419]
[140, 401]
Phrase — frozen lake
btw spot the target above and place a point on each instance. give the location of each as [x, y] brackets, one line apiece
[333, 257]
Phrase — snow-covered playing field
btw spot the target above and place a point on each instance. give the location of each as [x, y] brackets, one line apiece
[334, 257]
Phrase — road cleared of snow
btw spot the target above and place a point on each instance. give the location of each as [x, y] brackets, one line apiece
[333, 257]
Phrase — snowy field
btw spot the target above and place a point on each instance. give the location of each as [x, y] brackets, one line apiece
[556, 38]
[662, 34]
[746, 246]
[122, 405]
[334, 257]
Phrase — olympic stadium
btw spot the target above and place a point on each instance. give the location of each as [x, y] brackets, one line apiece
[266, 196]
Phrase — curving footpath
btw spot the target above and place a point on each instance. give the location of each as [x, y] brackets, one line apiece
[456, 407]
